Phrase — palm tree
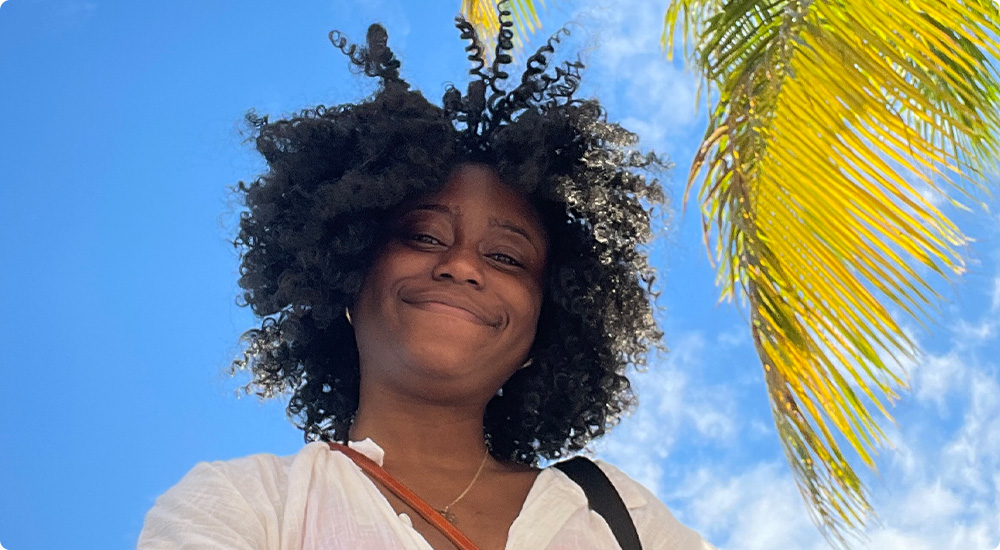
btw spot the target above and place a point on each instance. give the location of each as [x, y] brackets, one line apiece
[833, 126]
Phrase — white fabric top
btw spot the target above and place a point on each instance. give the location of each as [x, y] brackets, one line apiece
[319, 499]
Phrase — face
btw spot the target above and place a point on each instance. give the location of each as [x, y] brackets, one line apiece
[450, 306]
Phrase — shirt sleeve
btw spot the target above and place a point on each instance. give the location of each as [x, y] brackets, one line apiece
[216, 506]
[657, 527]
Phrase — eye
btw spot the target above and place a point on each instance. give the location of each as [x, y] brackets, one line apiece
[505, 259]
[424, 238]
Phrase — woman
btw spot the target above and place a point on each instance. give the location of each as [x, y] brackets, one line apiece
[455, 292]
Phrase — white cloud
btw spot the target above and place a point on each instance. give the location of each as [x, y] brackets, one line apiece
[626, 27]
[971, 460]
[971, 333]
[631, 73]
[932, 497]
[936, 376]
[938, 490]
[756, 509]
[738, 335]
[928, 503]
[669, 406]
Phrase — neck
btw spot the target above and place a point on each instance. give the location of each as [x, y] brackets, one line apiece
[415, 433]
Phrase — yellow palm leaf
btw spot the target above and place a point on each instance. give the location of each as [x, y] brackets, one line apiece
[832, 117]
[482, 14]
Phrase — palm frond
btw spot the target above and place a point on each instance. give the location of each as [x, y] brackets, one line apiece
[836, 124]
[482, 14]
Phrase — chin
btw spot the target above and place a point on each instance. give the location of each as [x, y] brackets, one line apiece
[445, 357]
[441, 354]
[449, 330]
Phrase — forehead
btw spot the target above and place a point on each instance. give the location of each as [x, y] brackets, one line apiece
[471, 184]
[474, 192]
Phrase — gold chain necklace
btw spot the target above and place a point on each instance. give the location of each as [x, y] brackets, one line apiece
[446, 511]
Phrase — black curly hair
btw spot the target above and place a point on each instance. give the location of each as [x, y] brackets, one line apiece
[314, 222]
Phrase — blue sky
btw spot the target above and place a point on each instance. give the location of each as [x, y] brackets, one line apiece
[121, 132]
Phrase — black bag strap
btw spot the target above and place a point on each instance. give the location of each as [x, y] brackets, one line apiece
[603, 498]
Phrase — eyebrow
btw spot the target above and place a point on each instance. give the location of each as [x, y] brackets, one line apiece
[512, 227]
[494, 222]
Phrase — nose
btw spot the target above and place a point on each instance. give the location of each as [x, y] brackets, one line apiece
[459, 265]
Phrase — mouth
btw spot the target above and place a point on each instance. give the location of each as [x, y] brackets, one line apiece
[452, 306]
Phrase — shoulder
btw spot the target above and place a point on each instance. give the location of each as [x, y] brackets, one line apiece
[236, 476]
[658, 528]
[221, 498]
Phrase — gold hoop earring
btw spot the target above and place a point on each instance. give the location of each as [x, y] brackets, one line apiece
[347, 313]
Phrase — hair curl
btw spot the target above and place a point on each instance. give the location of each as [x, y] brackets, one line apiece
[315, 220]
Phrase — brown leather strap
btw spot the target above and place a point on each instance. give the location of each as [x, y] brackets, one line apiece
[425, 510]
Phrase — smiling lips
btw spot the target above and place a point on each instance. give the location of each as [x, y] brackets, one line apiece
[449, 303]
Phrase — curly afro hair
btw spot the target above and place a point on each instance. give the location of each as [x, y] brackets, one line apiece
[314, 222]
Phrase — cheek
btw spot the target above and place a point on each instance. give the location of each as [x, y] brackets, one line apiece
[528, 308]
[375, 291]
[390, 264]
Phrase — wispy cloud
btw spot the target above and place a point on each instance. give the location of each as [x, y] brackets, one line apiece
[633, 72]
[736, 336]
[938, 490]
[674, 403]
[756, 509]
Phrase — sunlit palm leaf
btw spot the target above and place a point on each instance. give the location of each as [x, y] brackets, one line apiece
[482, 14]
[835, 124]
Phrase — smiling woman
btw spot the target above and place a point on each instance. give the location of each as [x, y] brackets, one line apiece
[449, 309]
[450, 295]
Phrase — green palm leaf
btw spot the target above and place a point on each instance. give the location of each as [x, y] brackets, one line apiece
[832, 117]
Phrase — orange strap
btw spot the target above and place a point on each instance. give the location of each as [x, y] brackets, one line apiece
[425, 510]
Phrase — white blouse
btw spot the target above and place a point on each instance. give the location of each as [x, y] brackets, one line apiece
[319, 499]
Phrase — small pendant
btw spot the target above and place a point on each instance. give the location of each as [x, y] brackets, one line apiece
[449, 516]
